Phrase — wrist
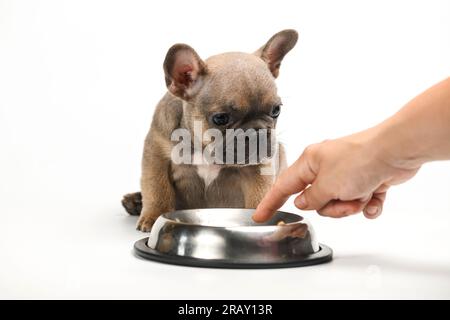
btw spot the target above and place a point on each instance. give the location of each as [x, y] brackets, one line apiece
[393, 144]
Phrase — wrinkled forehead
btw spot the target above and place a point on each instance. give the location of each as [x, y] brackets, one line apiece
[240, 79]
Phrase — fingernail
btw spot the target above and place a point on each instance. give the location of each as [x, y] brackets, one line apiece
[372, 210]
[300, 202]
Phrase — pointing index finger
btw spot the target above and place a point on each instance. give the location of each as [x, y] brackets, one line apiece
[293, 180]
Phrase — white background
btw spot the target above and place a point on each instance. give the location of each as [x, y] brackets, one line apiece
[78, 84]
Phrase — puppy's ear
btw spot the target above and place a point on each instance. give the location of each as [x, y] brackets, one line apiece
[276, 48]
[183, 70]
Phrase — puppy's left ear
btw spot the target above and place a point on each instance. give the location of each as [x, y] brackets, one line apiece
[276, 48]
[184, 71]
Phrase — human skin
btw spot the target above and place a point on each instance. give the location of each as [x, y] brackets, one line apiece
[351, 174]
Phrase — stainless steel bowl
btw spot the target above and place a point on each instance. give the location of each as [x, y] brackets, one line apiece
[229, 238]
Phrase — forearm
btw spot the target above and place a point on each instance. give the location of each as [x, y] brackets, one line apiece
[420, 131]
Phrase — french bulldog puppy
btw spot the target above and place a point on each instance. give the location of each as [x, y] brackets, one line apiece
[226, 91]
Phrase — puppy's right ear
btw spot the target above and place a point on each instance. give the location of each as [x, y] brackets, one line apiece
[184, 71]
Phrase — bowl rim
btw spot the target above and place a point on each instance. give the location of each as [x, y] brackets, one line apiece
[240, 227]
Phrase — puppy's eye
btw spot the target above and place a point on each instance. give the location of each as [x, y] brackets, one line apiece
[275, 111]
[221, 119]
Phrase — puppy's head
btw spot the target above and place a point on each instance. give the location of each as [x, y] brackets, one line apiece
[230, 90]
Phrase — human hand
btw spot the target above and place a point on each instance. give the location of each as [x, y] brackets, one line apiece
[338, 178]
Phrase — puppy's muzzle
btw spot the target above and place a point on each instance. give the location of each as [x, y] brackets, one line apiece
[249, 147]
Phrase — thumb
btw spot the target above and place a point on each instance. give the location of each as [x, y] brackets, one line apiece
[293, 180]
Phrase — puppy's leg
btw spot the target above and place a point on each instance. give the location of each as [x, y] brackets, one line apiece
[254, 186]
[158, 195]
[282, 161]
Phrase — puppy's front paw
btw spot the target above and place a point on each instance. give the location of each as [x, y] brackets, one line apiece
[145, 223]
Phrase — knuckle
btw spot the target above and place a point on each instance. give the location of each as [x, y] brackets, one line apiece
[310, 150]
